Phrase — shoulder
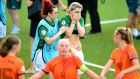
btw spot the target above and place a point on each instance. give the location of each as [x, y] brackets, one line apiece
[130, 46]
[67, 17]
[55, 61]
[82, 18]
[115, 51]
[19, 60]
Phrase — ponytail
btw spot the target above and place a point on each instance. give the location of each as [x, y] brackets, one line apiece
[8, 44]
[3, 50]
[126, 34]
[129, 36]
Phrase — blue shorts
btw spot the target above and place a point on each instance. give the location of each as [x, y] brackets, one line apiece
[132, 5]
[13, 4]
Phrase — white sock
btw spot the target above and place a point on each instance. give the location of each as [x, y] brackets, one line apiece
[135, 32]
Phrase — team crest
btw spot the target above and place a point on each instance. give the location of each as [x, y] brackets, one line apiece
[43, 32]
[63, 22]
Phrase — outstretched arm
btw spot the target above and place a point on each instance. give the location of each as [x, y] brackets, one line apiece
[106, 68]
[38, 75]
[88, 72]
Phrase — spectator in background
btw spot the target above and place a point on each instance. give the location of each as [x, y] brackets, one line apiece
[92, 7]
[65, 65]
[124, 57]
[132, 16]
[2, 21]
[138, 20]
[11, 67]
[13, 7]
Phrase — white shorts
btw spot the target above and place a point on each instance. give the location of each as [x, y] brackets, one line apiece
[39, 64]
[81, 56]
[2, 30]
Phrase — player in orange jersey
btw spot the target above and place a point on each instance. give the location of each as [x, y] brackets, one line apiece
[11, 67]
[65, 65]
[124, 57]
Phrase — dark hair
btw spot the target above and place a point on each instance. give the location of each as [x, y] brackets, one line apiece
[8, 44]
[47, 7]
[125, 34]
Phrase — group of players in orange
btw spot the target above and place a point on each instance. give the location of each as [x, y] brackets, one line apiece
[70, 57]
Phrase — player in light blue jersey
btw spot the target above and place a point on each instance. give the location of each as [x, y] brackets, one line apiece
[2, 20]
[46, 38]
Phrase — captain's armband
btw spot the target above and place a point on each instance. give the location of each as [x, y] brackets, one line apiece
[83, 68]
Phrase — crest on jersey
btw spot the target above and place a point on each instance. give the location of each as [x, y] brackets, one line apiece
[63, 22]
[43, 32]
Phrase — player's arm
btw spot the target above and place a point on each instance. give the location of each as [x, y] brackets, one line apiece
[106, 68]
[88, 72]
[21, 76]
[70, 29]
[81, 30]
[43, 34]
[38, 75]
[49, 40]
[62, 6]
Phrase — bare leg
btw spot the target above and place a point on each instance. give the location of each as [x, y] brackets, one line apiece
[15, 19]
[14, 16]
[131, 23]
[31, 69]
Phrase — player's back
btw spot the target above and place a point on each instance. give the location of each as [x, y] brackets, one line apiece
[11, 67]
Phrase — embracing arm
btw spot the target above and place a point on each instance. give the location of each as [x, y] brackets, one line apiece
[52, 39]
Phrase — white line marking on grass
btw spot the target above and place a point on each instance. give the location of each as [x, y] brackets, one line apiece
[109, 21]
[95, 65]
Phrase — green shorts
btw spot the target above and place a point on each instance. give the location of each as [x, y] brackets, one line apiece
[13, 4]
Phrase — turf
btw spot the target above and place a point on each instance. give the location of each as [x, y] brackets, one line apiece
[96, 47]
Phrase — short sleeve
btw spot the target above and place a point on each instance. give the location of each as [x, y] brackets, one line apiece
[21, 68]
[65, 22]
[42, 32]
[47, 68]
[78, 62]
[82, 22]
[112, 56]
[132, 53]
